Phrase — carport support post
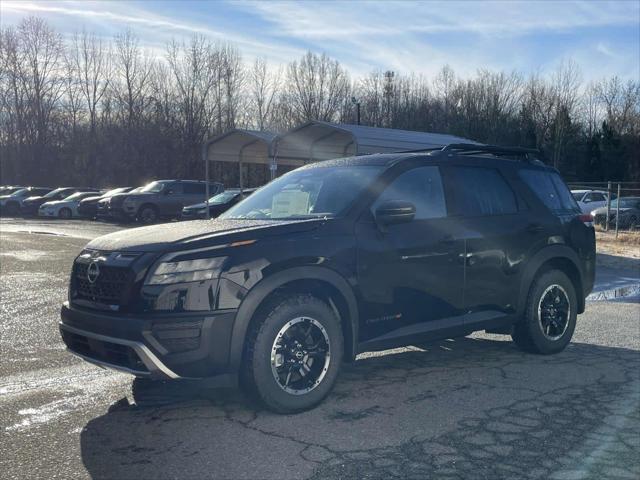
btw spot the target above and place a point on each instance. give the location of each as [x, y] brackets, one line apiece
[205, 156]
[606, 223]
[617, 210]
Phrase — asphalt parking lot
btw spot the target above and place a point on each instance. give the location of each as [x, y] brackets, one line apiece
[471, 408]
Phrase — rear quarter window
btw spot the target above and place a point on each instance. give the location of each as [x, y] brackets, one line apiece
[551, 190]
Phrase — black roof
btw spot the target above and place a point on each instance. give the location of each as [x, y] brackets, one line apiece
[481, 153]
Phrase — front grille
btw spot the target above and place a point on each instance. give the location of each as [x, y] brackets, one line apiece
[108, 288]
[113, 353]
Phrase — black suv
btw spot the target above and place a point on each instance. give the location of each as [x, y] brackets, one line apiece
[334, 259]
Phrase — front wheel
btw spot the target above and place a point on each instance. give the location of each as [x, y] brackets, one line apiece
[148, 214]
[65, 213]
[293, 353]
[550, 316]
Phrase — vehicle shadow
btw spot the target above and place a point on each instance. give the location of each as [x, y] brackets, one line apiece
[471, 408]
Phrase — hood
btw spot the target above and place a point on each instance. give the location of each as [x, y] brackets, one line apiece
[196, 206]
[91, 199]
[196, 234]
[39, 198]
[56, 203]
[603, 210]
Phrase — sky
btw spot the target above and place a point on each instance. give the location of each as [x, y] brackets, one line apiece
[602, 37]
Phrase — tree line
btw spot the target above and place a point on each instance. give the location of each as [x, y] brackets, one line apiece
[85, 111]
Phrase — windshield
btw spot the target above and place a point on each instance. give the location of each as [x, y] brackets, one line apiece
[77, 196]
[154, 187]
[631, 202]
[54, 193]
[307, 193]
[223, 197]
[20, 193]
[577, 195]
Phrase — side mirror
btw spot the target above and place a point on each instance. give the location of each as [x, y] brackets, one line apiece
[395, 212]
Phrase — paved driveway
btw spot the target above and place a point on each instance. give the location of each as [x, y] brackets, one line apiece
[470, 408]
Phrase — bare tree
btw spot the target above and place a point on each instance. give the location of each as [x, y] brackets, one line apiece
[316, 87]
[264, 87]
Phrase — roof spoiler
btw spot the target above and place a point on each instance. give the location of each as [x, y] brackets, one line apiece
[528, 154]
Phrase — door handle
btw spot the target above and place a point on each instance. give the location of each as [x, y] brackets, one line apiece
[534, 228]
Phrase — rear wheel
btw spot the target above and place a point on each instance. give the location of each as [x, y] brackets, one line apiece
[65, 213]
[147, 214]
[550, 316]
[12, 209]
[293, 353]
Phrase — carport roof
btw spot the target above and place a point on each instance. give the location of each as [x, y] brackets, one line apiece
[233, 146]
[318, 140]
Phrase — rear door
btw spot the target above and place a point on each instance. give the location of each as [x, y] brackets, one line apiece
[498, 232]
[193, 193]
[411, 275]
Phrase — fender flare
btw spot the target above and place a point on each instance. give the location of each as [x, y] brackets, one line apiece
[540, 258]
[266, 286]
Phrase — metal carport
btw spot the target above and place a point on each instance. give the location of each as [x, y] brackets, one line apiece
[317, 140]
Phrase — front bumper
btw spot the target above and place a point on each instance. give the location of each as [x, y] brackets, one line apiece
[162, 346]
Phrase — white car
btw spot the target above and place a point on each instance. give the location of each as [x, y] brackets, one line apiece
[590, 200]
[65, 208]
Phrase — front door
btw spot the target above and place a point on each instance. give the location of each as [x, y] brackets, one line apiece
[411, 275]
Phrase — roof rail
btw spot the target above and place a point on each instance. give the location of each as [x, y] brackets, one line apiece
[471, 149]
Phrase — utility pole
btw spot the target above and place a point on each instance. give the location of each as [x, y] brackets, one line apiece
[356, 102]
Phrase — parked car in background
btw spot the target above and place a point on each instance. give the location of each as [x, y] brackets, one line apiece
[12, 204]
[9, 189]
[589, 200]
[65, 208]
[629, 212]
[110, 208]
[165, 199]
[88, 207]
[31, 205]
[218, 204]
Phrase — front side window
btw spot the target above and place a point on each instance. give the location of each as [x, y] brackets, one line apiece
[306, 193]
[154, 187]
[479, 191]
[422, 187]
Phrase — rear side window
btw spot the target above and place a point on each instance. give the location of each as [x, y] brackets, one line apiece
[479, 191]
[549, 187]
[421, 186]
[194, 188]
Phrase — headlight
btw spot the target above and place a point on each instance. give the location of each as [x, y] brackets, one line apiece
[186, 271]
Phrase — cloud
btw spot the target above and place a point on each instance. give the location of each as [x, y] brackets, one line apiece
[117, 15]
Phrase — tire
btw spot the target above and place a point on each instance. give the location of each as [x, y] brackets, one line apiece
[148, 214]
[12, 209]
[559, 319]
[65, 213]
[271, 341]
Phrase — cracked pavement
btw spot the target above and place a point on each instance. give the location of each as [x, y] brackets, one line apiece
[474, 407]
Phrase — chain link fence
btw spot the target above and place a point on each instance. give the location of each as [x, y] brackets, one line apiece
[614, 205]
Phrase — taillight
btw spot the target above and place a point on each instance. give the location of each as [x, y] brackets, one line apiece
[587, 219]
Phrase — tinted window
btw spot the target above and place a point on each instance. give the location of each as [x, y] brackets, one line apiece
[564, 195]
[597, 197]
[194, 188]
[550, 188]
[420, 186]
[479, 191]
[540, 183]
